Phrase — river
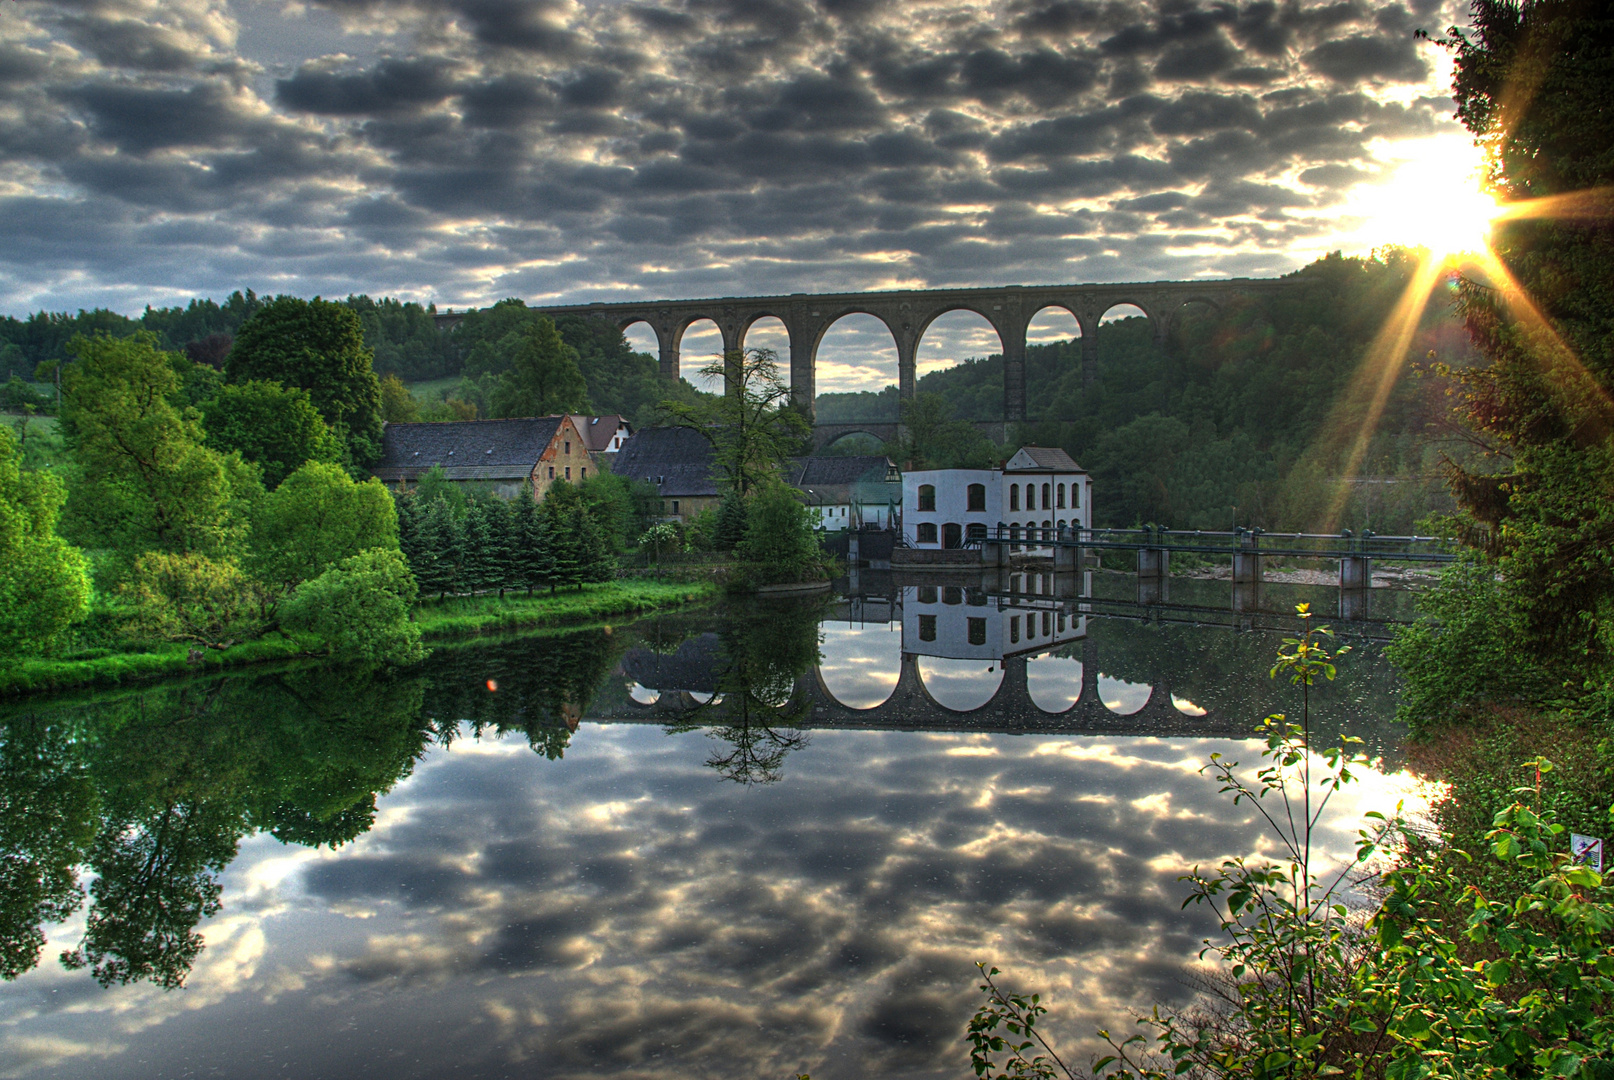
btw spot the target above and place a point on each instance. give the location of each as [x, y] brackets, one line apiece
[748, 840]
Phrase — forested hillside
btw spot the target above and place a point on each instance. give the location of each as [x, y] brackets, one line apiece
[1256, 408]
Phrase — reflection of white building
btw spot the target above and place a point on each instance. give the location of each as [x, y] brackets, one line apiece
[1038, 488]
[955, 623]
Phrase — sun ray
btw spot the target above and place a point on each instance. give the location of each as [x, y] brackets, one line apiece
[1376, 377]
[1590, 204]
[1555, 352]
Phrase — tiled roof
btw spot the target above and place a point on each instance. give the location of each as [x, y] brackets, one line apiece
[869, 468]
[677, 460]
[597, 431]
[1051, 458]
[466, 449]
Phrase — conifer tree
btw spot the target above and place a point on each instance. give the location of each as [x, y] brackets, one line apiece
[731, 521]
[410, 537]
[478, 568]
[595, 560]
[532, 559]
[566, 551]
[441, 550]
[500, 546]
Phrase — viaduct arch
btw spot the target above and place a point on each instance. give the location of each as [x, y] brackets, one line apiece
[907, 314]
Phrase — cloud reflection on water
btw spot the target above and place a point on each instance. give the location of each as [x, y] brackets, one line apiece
[619, 912]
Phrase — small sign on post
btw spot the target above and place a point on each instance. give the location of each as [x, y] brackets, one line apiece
[1586, 850]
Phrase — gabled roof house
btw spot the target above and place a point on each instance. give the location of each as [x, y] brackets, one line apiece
[535, 450]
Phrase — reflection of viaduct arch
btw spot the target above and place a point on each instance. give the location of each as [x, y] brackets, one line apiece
[1009, 309]
[910, 707]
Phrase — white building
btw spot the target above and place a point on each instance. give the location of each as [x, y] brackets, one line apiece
[1038, 488]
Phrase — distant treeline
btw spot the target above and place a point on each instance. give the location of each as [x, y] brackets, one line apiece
[481, 349]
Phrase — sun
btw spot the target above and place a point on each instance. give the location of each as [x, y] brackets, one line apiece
[1431, 198]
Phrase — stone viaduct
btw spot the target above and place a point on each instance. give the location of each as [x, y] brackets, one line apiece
[907, 314]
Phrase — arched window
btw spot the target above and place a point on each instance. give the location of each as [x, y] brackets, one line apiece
[1014, 496]
[975, 530]
[927, 532]
[927, 497]
[1059, 494]
[1047, 496]
[927, 628]
[977, 498]
[1031, 496]
[1075, 496]
[1014, 531]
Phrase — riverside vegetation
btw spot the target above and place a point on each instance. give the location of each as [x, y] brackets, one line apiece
[192, 518]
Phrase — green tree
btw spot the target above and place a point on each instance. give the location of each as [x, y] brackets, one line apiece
[398, 405]
[1533, 82]
[441, 547]
[730, 528]
[360, 609]
[543, 378]
[44, 581]
[146, 481]
[780, 544]
[275, 428]
[317, 346]
[534, 553]
[480, 567]
[317, 517]
[752, 428]
[186, 596]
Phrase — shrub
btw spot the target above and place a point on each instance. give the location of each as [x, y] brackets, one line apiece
[360, 609]
[190, 597]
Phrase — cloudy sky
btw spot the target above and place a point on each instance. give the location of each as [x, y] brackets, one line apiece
[465, 150]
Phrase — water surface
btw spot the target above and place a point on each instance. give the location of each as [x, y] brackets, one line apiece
[748, 841]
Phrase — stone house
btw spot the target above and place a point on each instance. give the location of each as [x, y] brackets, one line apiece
[678, 463]
[504, 454]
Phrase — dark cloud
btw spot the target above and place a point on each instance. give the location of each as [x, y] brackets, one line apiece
[389, 87]
[208, 114]
[1361, 56]
[794, 142]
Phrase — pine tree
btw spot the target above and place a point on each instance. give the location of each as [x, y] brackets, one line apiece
[410, 538]
[442, 549]
[532, 559]
[566, 551]
[478, 571]
[731, 521]
[500, 546]
[595, 560]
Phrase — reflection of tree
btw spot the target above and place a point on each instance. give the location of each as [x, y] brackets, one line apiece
[156, 884]
[155, 790]
[539, 687]
[47, 821]
[756, 712]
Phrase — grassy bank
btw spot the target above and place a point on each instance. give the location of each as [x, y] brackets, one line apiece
[446, 620]
[466, 616]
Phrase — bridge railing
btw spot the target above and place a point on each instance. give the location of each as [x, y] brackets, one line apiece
[1346, 544]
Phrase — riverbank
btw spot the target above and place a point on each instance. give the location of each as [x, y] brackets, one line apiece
[439, 620]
